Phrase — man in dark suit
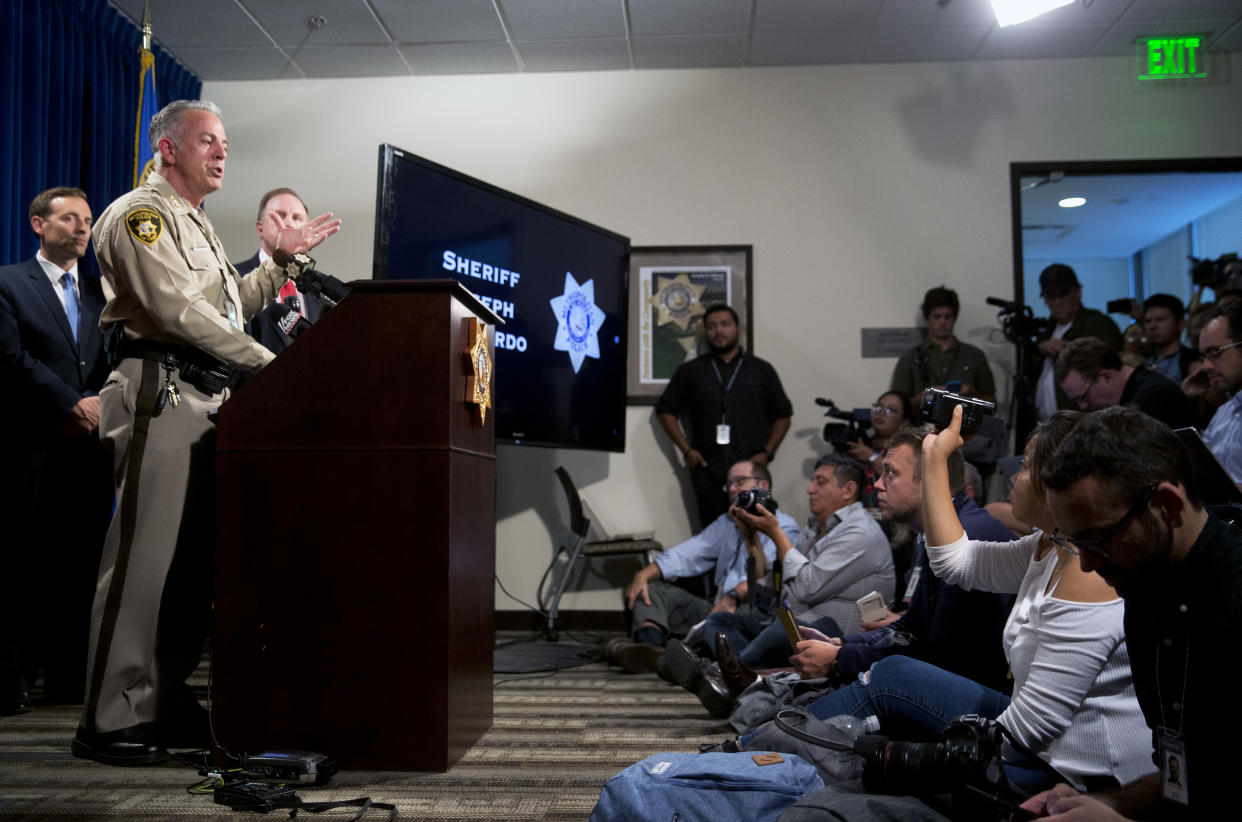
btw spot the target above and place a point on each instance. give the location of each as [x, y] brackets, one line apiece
[278, 208]
[56, 498]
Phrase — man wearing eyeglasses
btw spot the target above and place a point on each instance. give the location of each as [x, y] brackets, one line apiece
[1093, 376]
[661, 609]
[1221, 345]
[1121, 490]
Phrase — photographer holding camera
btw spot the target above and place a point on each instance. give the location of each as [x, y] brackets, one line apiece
[661, 609]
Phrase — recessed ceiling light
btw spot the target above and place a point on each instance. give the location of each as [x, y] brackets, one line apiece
[1012, 12]
[1072, 202]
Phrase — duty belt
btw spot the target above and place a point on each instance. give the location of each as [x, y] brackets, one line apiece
[198, 368]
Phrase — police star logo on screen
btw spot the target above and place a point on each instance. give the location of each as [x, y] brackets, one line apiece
[577, 321]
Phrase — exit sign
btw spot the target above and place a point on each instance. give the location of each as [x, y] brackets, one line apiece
[1174, 57]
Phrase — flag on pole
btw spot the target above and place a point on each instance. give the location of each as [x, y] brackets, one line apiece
[144, 152]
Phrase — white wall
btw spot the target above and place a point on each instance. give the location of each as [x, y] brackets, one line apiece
[859, 187]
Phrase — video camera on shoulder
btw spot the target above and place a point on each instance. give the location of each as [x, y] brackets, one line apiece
[938, 409]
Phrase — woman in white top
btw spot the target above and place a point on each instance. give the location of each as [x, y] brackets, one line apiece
[1073, 703]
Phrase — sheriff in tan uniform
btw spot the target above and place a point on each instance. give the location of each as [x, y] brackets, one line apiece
[182, 308]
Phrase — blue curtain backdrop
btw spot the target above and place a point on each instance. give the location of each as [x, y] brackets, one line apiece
[68, 102]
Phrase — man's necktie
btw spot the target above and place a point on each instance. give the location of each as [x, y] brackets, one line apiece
[71, 303]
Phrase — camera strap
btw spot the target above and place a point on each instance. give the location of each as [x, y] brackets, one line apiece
[782, 722]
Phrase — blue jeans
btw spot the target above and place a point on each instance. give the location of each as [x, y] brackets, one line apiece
[916, 701]
[758, 643]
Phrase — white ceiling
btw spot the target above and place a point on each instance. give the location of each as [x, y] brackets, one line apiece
[1123, 214]
[274, 39]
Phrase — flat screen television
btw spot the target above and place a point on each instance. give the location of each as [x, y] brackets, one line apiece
[559, 283]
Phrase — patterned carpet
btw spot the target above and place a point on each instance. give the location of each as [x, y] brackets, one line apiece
[554, 740]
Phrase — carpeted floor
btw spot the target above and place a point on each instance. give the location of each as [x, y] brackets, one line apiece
[556, 737]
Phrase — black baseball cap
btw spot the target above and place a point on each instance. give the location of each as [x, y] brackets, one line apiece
[1056, 280]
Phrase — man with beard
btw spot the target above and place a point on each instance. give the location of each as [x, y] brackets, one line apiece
[1120, 489]
[734, 407]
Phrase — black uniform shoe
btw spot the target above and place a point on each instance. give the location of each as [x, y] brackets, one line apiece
[18, 703]
[638, 658]
[134, 745]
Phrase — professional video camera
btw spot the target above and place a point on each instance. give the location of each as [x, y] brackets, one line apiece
[1019, 323]
[965, 763]
[854, 422]
[751, 497]
[1210, 273]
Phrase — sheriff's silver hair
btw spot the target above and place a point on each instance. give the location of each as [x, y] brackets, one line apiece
[167, 123]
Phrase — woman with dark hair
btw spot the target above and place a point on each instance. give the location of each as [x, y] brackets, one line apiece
[889, 415]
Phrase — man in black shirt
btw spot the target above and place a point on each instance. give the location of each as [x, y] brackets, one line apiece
[733, 405]
[1093, 376]
[1121, 491]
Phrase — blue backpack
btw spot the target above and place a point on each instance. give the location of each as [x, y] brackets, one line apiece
[710, 787]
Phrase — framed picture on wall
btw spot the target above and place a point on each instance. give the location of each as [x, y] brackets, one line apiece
[670, 288]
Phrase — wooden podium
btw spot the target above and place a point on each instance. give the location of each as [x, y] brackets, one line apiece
[356, 539]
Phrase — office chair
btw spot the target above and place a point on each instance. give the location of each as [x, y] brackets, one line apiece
[578, 546]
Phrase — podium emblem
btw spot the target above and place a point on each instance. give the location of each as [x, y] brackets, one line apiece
[479, 383]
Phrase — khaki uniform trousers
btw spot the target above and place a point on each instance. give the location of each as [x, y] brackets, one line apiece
[152, 604]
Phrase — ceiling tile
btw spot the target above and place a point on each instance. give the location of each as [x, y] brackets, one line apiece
[350, 61]
[177, 23]
[1123, 37]
[1232, 39]
[1145, 10]
[459, 58]
[1023, 42]
[800, 15]
[806, 48]
[912, 45]
[959, 14]
[563, 19]
[237, 64]
[442, 21]
[653, 17]
[603, 54]
[727, 51]
[288, 22]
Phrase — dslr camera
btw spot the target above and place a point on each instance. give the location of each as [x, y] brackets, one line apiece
[938, 409]
[751, 497]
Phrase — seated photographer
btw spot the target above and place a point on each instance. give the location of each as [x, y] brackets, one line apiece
[955, 629]
[1094, 377]
[841, 556]
[1073, 705]
[661, 609]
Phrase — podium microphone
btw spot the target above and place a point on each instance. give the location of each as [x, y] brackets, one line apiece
[326, 287]
[286, 319]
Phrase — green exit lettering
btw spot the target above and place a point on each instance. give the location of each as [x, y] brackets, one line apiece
[1168, 57]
